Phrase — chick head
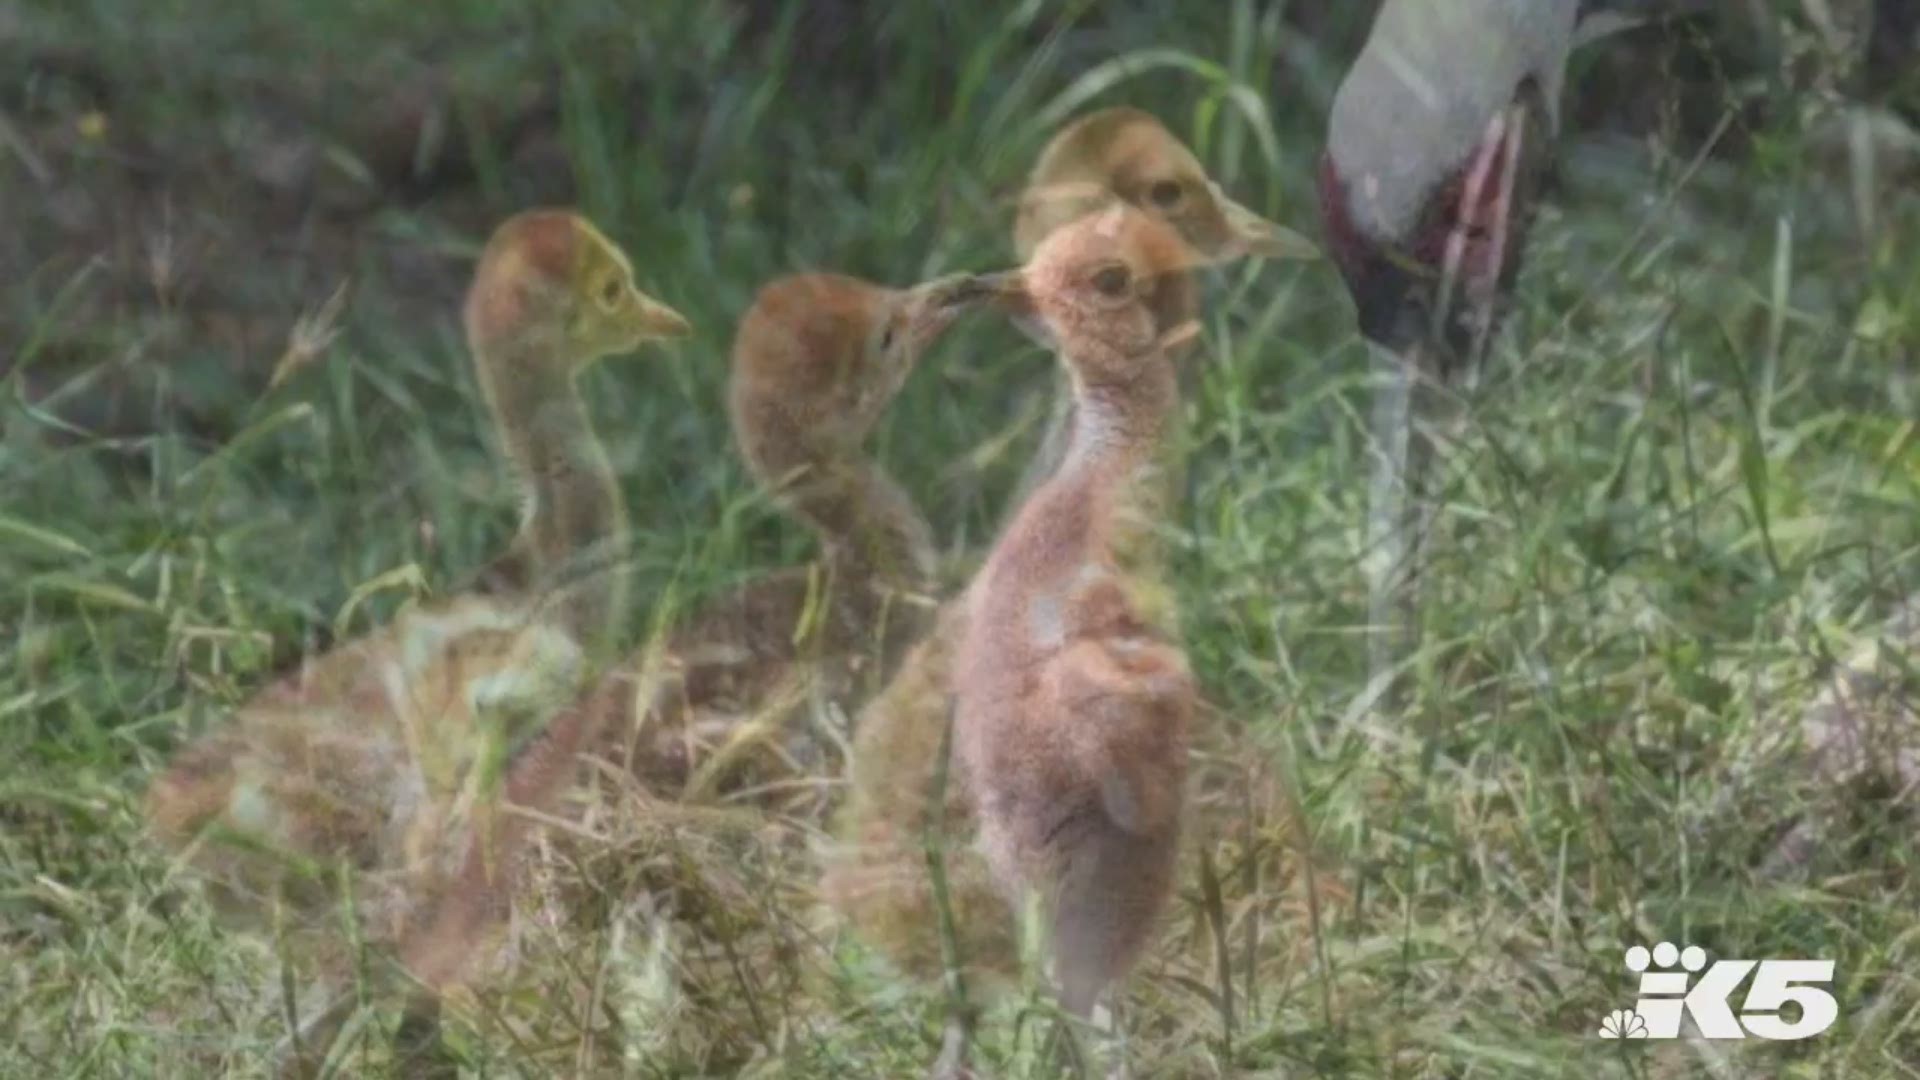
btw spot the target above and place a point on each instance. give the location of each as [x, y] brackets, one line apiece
[551, 272]
[1127, 154]
[1090, 287]
[831, 352]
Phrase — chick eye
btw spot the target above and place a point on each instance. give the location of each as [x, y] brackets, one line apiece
[1113, 280]
[1166, 194]
[610, 293]
[886, 338]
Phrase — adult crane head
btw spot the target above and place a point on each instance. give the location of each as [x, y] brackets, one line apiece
[1434, 145]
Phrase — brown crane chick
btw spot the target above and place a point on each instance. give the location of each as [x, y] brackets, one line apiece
[817, 360]
[1071, 709]
[375, 773]
[876, 876]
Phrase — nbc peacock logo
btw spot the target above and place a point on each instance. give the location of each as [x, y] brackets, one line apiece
[1623, 1024]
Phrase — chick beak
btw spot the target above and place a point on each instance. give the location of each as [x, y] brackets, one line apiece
[951, 295]
[1175, 341]
[1249, 234]
[656, 320]
[931, 307]
[1007, 291]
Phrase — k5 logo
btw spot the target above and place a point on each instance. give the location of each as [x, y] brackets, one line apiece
[1665, 995]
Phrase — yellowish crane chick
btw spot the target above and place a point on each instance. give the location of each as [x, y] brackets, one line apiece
[1128, 155]
[375, 773]
[876, 876]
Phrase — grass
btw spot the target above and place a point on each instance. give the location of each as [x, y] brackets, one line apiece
[1687, 484]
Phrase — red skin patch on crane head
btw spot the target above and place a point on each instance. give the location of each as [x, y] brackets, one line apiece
[1348, 247]
[1473, 207]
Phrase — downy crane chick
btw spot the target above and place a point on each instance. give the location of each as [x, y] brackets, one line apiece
[877, 878]
[817, 360]
[1072, 709]
[375, 773]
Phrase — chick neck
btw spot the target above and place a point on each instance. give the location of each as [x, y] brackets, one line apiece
[1099, 500]
[869, 528]
[1118, 420]
[1174, 300]
[573, 523]
[868, 525]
